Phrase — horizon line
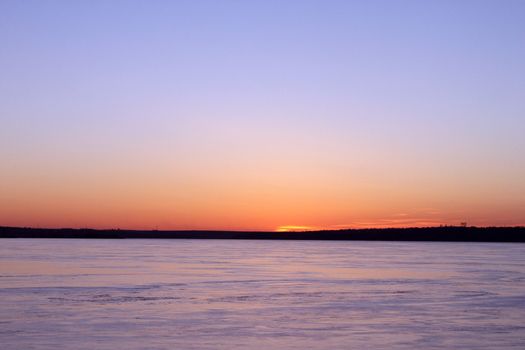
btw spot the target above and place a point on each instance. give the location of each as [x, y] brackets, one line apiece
[261, 231]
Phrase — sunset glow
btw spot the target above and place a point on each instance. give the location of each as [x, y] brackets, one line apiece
[294, 228]
[238, 116]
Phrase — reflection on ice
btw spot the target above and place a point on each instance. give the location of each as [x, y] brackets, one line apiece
[195, 294]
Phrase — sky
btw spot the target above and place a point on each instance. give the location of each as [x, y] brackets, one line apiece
[262, 115]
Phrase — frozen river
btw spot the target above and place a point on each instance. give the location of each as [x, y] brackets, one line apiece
[222, 294]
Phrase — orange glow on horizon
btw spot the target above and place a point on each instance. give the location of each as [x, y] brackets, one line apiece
[293, 228]
[264, 194]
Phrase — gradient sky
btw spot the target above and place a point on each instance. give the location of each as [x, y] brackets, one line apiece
[261, 115]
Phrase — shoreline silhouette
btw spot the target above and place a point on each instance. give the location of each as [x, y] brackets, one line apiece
[437, 234]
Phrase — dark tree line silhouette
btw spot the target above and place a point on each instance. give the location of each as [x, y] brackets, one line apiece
[442, 233]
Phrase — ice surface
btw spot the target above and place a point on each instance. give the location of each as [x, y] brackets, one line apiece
[213, 294]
